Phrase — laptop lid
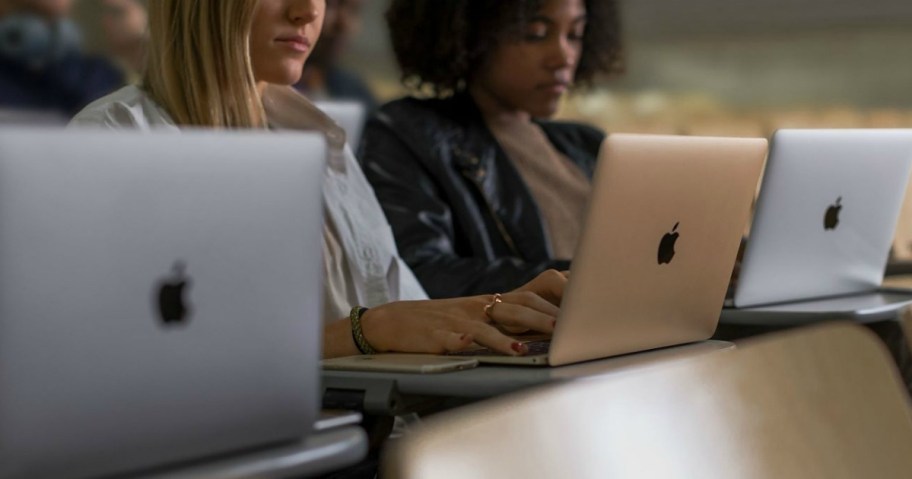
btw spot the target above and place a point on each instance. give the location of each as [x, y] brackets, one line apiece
[662, 234]
[826, 214]
[347, 114]
[902, 240]
[159, 296]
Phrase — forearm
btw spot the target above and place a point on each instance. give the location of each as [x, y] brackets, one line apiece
[337, 340]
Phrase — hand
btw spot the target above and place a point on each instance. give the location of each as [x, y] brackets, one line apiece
[450, 325]
[549, 285]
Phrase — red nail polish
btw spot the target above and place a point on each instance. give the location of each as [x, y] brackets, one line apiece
[463, 337]
[519, 348]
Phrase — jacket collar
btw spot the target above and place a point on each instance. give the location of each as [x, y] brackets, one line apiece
[480, 159]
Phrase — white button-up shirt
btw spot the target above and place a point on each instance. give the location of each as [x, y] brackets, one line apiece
[361, 263]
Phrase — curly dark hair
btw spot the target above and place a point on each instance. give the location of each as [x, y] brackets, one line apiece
[439, 44]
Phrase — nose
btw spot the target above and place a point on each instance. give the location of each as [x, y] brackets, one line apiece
[564, 54]
[302, 12]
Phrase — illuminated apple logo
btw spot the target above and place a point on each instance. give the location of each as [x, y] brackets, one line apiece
[173, 308]
[667, 245]
[831, 218]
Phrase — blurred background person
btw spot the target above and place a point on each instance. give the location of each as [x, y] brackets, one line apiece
[42, 67]
[125, 23]
[117, 30]
[324, 78]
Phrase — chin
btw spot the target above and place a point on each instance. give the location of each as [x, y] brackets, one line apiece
[543, 111]
[284, 78]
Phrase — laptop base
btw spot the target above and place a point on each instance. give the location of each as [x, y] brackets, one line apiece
[320, 453]
[880, 305]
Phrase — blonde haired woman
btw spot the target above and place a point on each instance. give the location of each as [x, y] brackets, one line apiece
[228, 64]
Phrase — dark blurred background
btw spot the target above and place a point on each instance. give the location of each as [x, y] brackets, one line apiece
[725, 67]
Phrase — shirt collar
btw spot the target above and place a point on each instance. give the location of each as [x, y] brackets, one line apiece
[286, 109]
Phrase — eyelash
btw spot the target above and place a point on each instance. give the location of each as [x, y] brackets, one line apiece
[537, 38]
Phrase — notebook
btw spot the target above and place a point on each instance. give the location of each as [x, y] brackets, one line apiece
[159, 297]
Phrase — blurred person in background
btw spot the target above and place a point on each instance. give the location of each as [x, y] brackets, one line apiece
[482, 190]
[323, 77]
[125, 23]
[41, 65]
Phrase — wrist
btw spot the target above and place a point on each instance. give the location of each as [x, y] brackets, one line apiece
[361, 343]
[371, 325]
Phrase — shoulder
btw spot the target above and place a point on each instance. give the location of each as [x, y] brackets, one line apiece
[418, 126]
[128, 108]
[454, 111]
[423, 124]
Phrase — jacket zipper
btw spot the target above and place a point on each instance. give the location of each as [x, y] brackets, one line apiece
[500, 226]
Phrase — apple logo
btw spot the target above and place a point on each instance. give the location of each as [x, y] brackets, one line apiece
[831, 219]
[172, 307]
[667, 245]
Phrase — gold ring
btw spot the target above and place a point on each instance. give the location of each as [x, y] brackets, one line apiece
[490, 306]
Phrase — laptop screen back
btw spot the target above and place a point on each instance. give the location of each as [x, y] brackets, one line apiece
[159, 296]
[826, 214]
[662, 233]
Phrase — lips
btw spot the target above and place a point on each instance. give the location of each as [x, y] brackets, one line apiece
[556, 87]
[298, 43]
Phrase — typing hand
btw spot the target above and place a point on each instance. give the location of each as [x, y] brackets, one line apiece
[450, 325]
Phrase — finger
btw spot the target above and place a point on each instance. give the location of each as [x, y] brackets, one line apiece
[513, 330]
[532, 301]
[490, 337]
[449, 341]
[518, 316]
[549, 285]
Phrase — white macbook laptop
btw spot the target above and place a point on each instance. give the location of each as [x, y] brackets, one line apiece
[826, 215]
[347, 114]
[159, 297]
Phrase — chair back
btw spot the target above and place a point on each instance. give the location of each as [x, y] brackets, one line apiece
[823, 402]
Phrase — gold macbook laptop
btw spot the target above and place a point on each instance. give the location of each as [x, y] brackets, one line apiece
[662, 232]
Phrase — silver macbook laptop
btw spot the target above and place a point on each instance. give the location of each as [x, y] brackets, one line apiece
[347, 114]
[159, 297]
[33, 118]
[826, 215]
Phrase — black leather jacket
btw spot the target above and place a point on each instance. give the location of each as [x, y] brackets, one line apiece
[463, 218]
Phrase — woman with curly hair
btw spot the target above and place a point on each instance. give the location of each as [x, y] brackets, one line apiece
[482, 191]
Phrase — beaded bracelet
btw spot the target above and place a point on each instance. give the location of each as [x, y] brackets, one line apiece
[357, 333]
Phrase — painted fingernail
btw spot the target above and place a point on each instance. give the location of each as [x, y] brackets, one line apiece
[553, 323]
[463, 337]
[519, 348]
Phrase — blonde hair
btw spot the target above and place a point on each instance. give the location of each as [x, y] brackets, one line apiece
[199, 68]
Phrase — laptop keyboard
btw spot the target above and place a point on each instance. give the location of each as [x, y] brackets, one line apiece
[536, 348]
